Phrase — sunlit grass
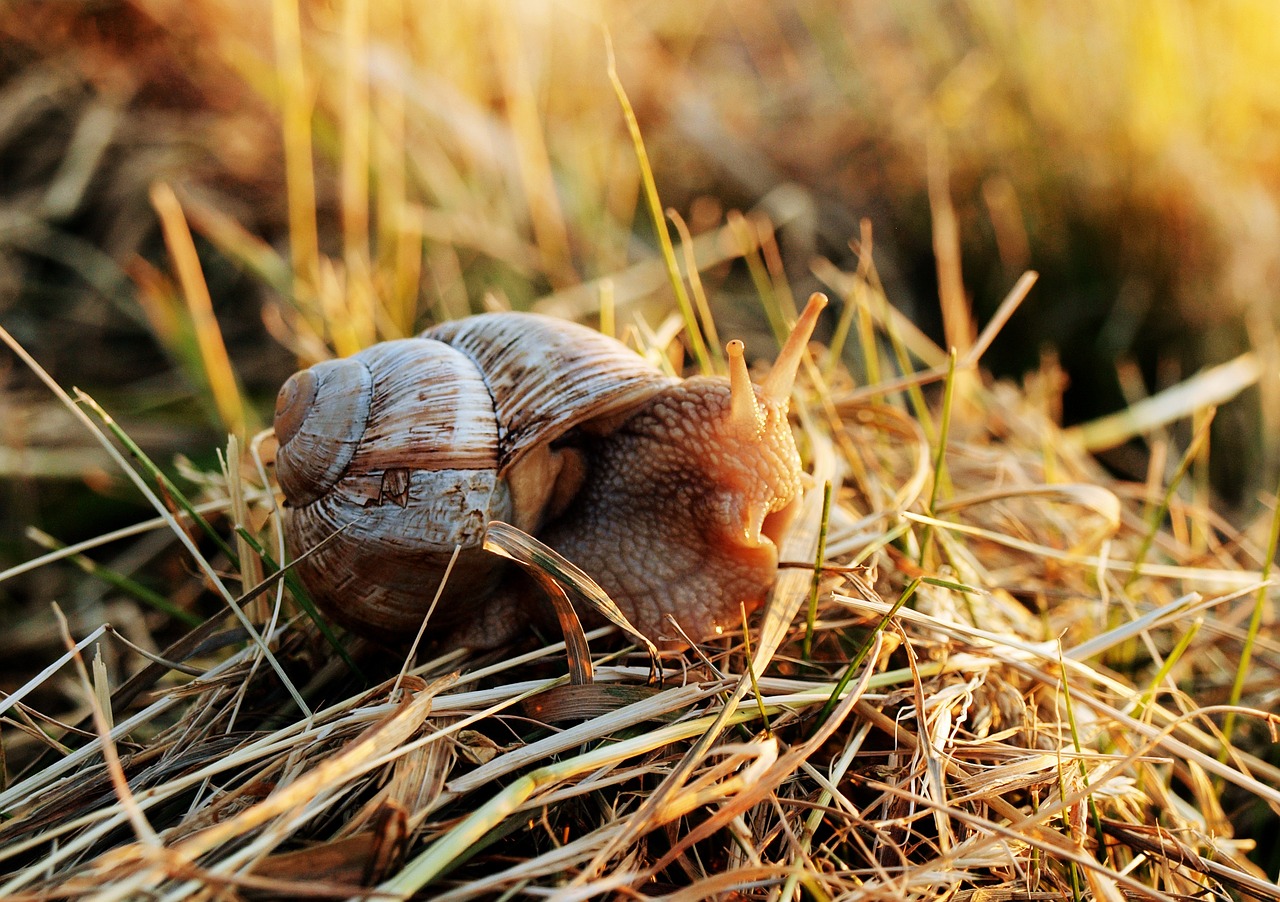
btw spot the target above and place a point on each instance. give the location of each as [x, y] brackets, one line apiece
[428, 160]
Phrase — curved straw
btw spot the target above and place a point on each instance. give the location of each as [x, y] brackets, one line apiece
[777, 385]
[742, 395]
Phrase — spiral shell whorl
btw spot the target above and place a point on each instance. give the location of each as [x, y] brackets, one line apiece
[321, 416]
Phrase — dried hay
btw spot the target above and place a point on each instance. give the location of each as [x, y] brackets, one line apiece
[1042, 718]
[1019, 677]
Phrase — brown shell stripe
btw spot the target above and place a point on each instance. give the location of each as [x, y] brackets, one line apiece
[548, 375]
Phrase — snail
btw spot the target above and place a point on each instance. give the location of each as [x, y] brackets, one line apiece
[671, 493]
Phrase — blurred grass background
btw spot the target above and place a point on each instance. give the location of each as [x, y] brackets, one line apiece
[351, 170]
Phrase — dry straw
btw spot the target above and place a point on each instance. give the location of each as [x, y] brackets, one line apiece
[1021, 677]
[1028, 723]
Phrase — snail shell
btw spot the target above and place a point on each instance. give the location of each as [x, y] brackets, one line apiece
[672, 493]
[409, 448]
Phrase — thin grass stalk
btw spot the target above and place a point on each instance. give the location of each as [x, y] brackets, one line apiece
[223, 384]
[102, 687]
[1201, 495]
[749, 250]
[411, 654]
[699, 293]
[812, 616]
[767, 241]
[856, 310]
[238, 244]
[155, 502]
[295, 125]
[857, 306]
[940, 459]
[399, 249]
[1255, 626]
[919, 406]
[957, 318]
[532, 157]
[1096, 819]
[856, 661]
[128, 586]
[1162, 510]
[250, 564]
[696, 342]
[1170, 661]
[608, 309]
[1008, 307]
[12, 698]
[751, 671]
[1193, 575]
[353, 177]
[298, 593]
[101, 720]
[1212, 387]
[171, 492]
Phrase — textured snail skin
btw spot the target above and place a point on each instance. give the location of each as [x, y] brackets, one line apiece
[680, 513]
[671, 494]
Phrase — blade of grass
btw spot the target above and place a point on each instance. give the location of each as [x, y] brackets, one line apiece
[696, 342]
[957, 317]
[699, 293]
[856, 662]
[171, 492]
[104, 539]
[1255, 626]
[297, 592]
[240, 245]
[205, 567]
[1094, 816]
[353, 176]
[213, 351]
[532, 157]
[749, 249]
[939, 462]
[812, 616]
[1170, 661]
[1157, 516]
[608, 309]
[767, 239]
[856, 306]
[751, 671]
[292, 85]
[1012, 301]
[1210, 388]
[119, 782]
[112, 578]
[531, 554]
[250, 564]
[12, 698]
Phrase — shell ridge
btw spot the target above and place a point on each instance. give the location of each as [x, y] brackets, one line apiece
[512, 349]
[317, 455]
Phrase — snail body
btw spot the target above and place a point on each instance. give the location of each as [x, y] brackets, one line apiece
[671, 493]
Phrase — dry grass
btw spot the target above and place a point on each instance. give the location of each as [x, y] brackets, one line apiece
[1043, 716]
[1015, 677]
